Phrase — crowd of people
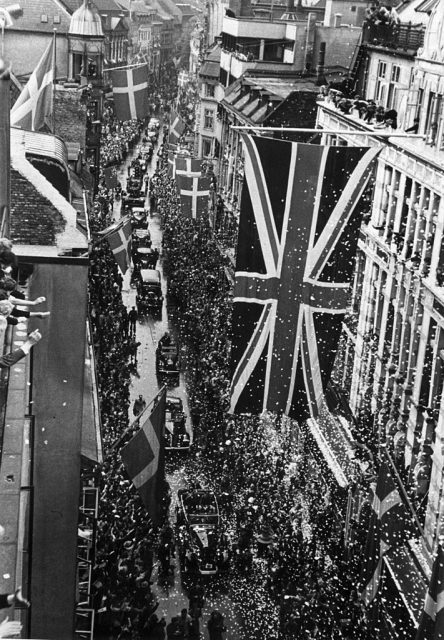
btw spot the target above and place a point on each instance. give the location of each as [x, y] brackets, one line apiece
[289, 574]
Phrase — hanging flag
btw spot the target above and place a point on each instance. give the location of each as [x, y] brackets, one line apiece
[390, 525]
[144, 458]
[190, 167]
[177, 127]
[193, 192]
[183, 79]
[431, 623]
[130, 91]
[111, 177]
[33, 108]
[176, 61]
[119, 239]
[297, 238]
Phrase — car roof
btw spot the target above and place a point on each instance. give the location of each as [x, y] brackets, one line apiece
[150, 275]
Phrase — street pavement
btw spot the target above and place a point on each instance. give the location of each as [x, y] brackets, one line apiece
[170, 594]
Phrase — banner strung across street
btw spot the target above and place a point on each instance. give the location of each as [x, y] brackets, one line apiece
[298, 229]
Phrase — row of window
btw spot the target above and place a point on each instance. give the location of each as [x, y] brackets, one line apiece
[406, 214]
[45, 18]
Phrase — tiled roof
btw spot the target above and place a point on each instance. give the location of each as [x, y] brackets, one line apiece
[31, 18]
[27, 227]
[40, 215]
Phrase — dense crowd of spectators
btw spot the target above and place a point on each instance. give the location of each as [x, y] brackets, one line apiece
[289, 574]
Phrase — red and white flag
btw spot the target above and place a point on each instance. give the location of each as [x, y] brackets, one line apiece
[144, 458]
[194, 192]
[130, 91]
[177, 127]
[33, 108]
[119, 240]
[188, 167]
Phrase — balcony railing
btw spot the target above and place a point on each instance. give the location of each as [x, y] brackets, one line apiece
[408, 37]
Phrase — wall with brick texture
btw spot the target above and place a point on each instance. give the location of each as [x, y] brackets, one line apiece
[34, 220]
[69, 115]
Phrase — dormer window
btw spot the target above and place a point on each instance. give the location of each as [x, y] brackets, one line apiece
[56, 19]
[43, 18]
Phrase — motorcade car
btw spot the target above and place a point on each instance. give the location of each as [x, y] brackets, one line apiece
[203, 547]
[149, 297]
[145, 257]
[177, 437]
[139, 218]
[167, 359]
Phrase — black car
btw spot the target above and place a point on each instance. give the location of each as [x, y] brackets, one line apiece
[204, 549]
[177, 437]
[149, 298]
[167, 358]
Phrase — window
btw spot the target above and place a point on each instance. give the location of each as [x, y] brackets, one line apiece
[56, 19]
[209, 90]
[380, 89]
[43, 18]
[353, 8]
[208, 119]
[392, 95]
[206, 147]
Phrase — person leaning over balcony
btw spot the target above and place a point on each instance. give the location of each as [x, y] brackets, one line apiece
[9, 359]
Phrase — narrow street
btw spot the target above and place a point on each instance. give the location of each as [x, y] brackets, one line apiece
[171, 594]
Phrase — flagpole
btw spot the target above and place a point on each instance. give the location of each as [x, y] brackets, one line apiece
[128, 66]
[136, 419]
[404, 493]
[54, 72]
[380, 133]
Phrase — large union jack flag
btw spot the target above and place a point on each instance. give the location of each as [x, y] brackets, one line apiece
[298, 231]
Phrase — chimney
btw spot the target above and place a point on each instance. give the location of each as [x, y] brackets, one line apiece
[290, 6]
[320, 78]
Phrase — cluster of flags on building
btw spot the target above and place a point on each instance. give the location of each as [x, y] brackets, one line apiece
[299, 220]
[144, 457]
[193, 187]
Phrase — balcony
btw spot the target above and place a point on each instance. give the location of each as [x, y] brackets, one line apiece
[407, 37]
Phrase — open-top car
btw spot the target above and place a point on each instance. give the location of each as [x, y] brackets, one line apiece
[146, 257]
[177, 437]
[203, 547]
[167, 360]
[139, 218]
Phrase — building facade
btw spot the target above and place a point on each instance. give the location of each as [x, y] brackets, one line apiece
[390, 367]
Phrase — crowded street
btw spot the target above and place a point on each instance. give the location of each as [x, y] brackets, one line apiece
[222, 320]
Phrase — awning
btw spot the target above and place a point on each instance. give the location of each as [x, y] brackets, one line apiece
[210, 69]
[91, 424]
[335, 442]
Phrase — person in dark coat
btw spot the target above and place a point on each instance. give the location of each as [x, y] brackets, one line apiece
[215, 625]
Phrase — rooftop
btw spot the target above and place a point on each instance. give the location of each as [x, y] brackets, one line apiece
[40, 16]
[40, 215]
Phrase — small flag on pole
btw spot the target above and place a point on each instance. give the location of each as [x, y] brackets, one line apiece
[431, 623]
[171, 164]
[177, 127]
[119, 240]
[130, 91]
[144, 458]
[194, 192]
[33, 108]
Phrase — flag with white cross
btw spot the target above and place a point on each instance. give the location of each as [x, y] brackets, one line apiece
[130, 91]
[193, 192]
